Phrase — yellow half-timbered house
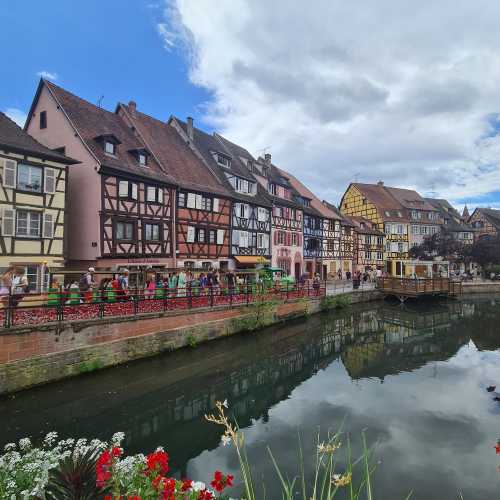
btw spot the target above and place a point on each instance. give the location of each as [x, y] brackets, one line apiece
[32, 204]
[376, 203]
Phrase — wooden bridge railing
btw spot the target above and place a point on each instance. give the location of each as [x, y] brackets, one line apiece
[420, 286]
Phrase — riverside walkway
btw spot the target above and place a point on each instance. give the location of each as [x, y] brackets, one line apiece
[405, 288]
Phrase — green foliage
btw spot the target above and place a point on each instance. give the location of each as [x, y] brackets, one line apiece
[74, 478]
[90, 366]
[335, 302]
[191, 341]
[304, 301]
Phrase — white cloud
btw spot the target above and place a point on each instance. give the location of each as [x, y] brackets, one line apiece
[47, 75]
[17, 115]
[382, 89]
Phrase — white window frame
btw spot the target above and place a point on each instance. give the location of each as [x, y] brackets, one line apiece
[220, 236]
[215, 205]
[111, 150]
[31, 168]
[29, 215]
[48, 225]
[49, 180]
[9, 172]
[8, 222]
[191, 234]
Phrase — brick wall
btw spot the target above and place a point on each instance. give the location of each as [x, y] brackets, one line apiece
[37, 355]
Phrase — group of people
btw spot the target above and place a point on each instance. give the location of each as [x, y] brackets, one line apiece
[14, 286]
[368, 275]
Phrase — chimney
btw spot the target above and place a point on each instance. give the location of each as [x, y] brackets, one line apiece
[189, 122]
[267, 158]
[132, 106]
[380, 183]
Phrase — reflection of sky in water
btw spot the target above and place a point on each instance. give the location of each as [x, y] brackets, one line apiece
[415, 380]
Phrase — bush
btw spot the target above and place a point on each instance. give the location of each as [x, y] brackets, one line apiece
[335, 302]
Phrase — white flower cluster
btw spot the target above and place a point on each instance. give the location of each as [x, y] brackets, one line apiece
[24, 468]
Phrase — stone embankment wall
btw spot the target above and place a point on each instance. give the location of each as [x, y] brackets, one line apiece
[37, 355]
[481, 287]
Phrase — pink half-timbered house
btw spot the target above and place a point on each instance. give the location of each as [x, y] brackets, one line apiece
[120, 200]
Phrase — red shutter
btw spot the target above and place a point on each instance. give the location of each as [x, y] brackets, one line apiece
[288, 238]
[299, 239]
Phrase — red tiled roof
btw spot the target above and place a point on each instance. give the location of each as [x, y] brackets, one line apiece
[92, 121]
[175, 156]
[388, 206]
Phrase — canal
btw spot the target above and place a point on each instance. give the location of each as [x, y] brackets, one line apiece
[414, 377]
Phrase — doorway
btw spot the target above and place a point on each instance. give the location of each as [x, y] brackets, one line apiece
[297, 270]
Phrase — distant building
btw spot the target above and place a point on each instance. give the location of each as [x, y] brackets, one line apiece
[485, 221]
[452, 221]
[33, 203]
[369, 245]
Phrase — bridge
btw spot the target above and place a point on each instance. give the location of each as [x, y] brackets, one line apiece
[405, 288]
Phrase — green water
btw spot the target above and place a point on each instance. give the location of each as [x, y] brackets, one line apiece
[415, 378]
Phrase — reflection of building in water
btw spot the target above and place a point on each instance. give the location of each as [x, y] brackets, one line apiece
[162, 400]
[408, 340]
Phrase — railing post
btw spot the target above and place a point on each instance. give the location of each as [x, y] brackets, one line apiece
[8, 309]
[135, 299]
[60, 305]
[211, 293]
[189, 291]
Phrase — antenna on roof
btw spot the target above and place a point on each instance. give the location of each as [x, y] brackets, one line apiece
[99, 101]
[262, 151]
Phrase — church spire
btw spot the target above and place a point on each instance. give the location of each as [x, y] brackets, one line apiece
[465, 213]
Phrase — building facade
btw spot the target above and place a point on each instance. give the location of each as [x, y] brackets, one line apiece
[369, 246]
[485, 222]
[33, 204]
[121, 198]
[250, 204]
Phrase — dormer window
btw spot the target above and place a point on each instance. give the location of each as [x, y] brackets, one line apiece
[108, 143]
[142, 159]
[141, 155]
[223, 160]
[109, 147]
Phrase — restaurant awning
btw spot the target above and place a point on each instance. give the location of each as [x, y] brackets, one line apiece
[251, 259]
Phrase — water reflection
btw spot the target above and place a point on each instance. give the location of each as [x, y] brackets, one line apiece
[414, 377]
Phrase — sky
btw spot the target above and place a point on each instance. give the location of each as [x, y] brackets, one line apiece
[404, 92]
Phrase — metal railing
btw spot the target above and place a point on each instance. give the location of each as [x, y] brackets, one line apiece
[60, 305]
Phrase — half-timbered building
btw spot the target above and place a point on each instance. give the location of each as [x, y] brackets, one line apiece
[121, 199]
[322, 233]
[485, 222]
[376, 203]
[369, 245]
[287, 217]
[250, 207]
[32, 204]
[203, 205]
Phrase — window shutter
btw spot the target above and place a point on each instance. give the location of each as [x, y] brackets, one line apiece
[134, 191]
[246, 211]
[50, 180]
[151, 193]
[190, 234]
[198, 200]
[299, 239]
[123, 189]
[244, 239]
[48, 225]
[266, 241]
[191, 200]
[220, 236]
[215, 206]
[160, 195]
[9, 173]
[8, 222]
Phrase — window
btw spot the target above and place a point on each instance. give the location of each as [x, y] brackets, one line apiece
[262, 214]
[400, 214]
[242, 239]
[182, 199]
[220, 236]
[28, 223]
[109, 147]
[415, 229]
[262, 240]
[367, 239]
[43, 119]
[415, 214]
[127, 189]
[380, 256]
[400, 229]
[143, 159]
[152, 232]
[188, 264]
[201, 202]
[432, 215]
[380, 240]
[242, 210]
[200, 235]
[124, 231]
[280, 238]
[223, 160]
[48, 225]
[387, 213]
[272, 189]
[294, 239]
[242, 185]
[154, 194]
[401, 247]
[29, 178]
[211, 236]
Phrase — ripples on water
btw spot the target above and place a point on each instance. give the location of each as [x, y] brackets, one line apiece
[414, 377]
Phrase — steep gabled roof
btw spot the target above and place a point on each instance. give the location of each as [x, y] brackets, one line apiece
[344, 219]
[174, 155]
[319, 208]
[388, 206]
[409, 198]
[93, 123]
[365, 226]
[449, 213]
[492, 214]
[13, 138]
[207, 144]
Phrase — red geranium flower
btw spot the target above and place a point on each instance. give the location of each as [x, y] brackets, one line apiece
[116, 451]
[205, 495]
[157, 462]
[102, 468]
[156, 481]
[497, 448]
[221, 481]
[168, 489]
[186, 484]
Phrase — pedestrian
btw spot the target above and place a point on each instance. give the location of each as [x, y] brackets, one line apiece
[86, 284]
[316, 284]
[339, 274]
[20, 286]
[230, 282]
[6, 285]
[181, 284]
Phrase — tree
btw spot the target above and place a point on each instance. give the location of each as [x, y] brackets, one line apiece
[486, 250]
[442, 244]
